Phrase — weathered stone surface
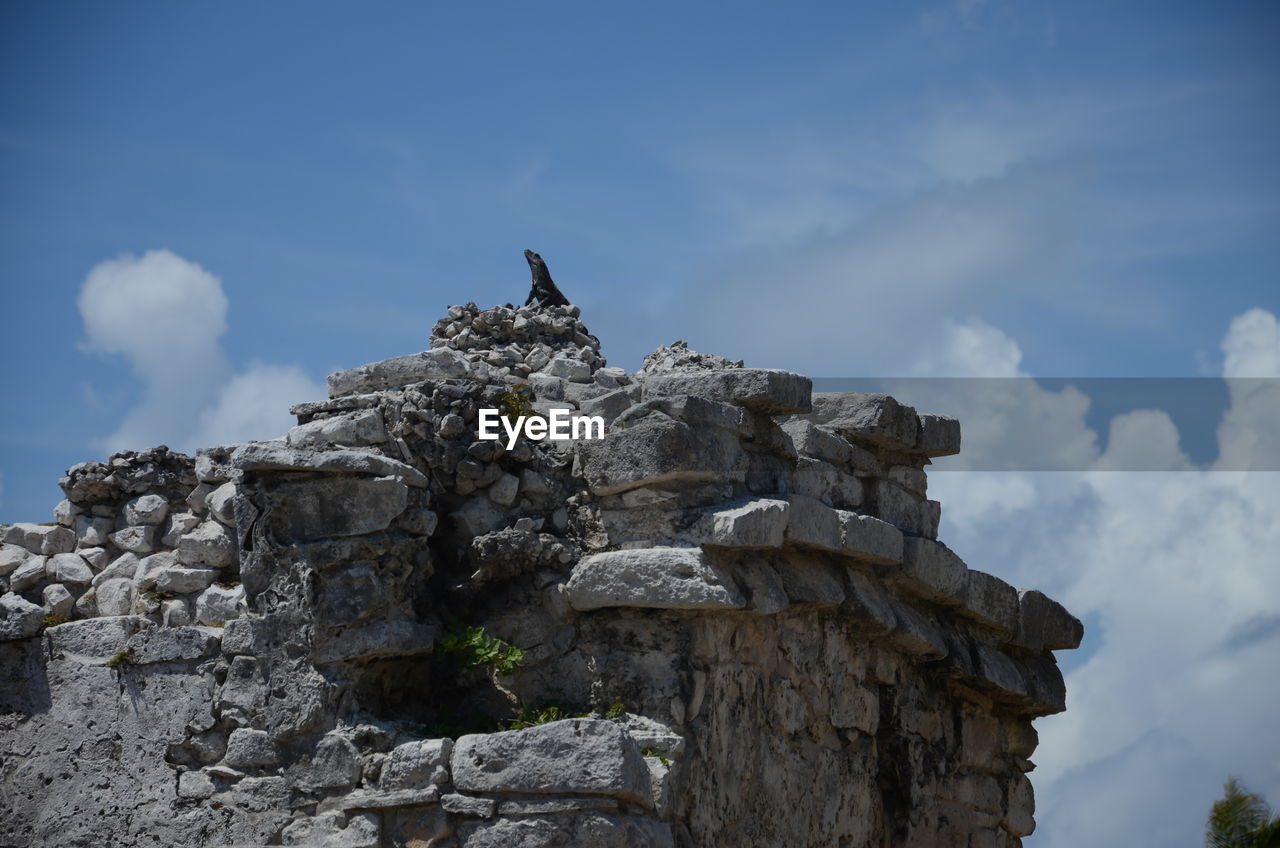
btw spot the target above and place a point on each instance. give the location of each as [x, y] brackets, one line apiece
[174, 644]
[12, 556]
[146, 509]
[138, 540]
[931, 570]
[818, 479]
[70, 569]
[124, 566]
[660, 578]
[658, 454]
[362, 427]
[116, 596]
[219, 604]
[596, 829]
[380, 800]
[267, 456]
[94, 638]
[335, 763]
[755, 523]
[810, 581]
[503, 490]
[874, 418]
[43, 539]
[211, 543]
[248, 748]
[58, 600]
[93, 530]
[939, 435]
[914, 633]
[379, 639]
[870, 539]
[609, 405]
[19, 618]
[813, 524]
[769, 391]
[180, 579]
[435, 364]
[1020, 807]
[866, 601]
[991, 601]
[417, 765]
[29, 574]
[65, 513]
[304, 511]
[808, 439]
[220, 502]
[1044, 624]
[335, 829]
[465, 805]
[588, 756]
[146, 569]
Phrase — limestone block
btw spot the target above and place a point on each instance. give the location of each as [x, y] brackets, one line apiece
[220, 503]
[379, 639]
[174, 644]
[810, 581]
[854, 705]
[1020, 807]
[87, 604]
[659, 578]
[568, 368]
[765, 390]
[660, 454]
[29, 574]
[144, 575]
[821, 480]
[211, 543]
[19, 618]
[96, 557]
[1044, 624]
[70, 569]
[991, 601]
[503, 490]
[174, 613]
[94, 638]
[1044, 684]
[116, 596]
[931, 570]
[366, 800]
[808, 439]
[65, 513]
[813, 524]
[249, 748]
[138, 540]
[43, 539]
[870, 539]
[335, 764]
[273, 456]
[58, 600]
[12, 556]
[195, 785]
[92, 530]
[939, 435]
[766, 593]
[435, 364]
[595, 828]
[609, 405]
[542, 805]
[478, 516]
[147, 509]
[866, 601]
[914, 634]
[220, 604]
[179, 524]
[577, 755]
[874, 418]
[337, 506]
[259, 794]
[754, 523]
[466, 805]
[181, 579]
[693, 410]
[904, 509]
[354, 429]
[417, 765]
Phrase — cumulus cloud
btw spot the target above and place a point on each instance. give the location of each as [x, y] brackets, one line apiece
[1248, 436]
[166, 316]
[1174, 576]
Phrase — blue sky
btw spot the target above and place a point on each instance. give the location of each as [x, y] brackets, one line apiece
[879, 189]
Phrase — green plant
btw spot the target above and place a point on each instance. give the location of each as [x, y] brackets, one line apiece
[121, 659]
[616, 711]
[53, 619]
[472, 646]
[530, 717]
[1241, 819]
[650, 752]
[516, 402]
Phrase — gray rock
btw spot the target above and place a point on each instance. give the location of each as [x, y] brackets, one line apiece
[181, 580]
[304, 510]
[991, 601]
[813, 524]
[436, 364]
[379, 639]
[43, 539]
[417, 765]
[568, 368]
[335, 763]
[939, 435]
[354, 429]
[764, 390]
[195, 785]
[660, 454]
[212, 544]
[248, 748]
[931, 570]
[116, 596]
[266, 456]
[465, 805]
[874, 418]
[144, 575]
[92, 530]
[659, 578]
[757, 523]
[179, 524]
[29, 574]
[65, 513]
[587, 756]
[11, 557]
[174, 612]
[335, 829]
[96, 557]
[220, 503]
[870, 539]
[70, 569]
[58, 600]
[609, 405]
[138, 540]
[503, 490]
[821, 480]
[915, 634]
[1044, 624]
[807, 439]
[767, 595]
[19, 618]
[87, 604]
[219, 604]
[587, 829]
[94, 638]
[866, 601]
[146, 509]
[810, 581]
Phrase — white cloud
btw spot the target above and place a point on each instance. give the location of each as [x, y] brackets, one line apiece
[1248, 436]
[166, 316]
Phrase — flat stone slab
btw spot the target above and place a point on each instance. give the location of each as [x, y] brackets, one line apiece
[932, 571]
[656, 578]
[1044, 624]
[435, 364]
[767, 390]
[876, 418]
[660, 454]
[94, 638]
[939, 435]
[868, 538]
[991, 601]
[268, 456]
[755, 523]
[577, 755]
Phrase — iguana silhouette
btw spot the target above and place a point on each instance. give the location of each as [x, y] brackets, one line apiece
[543, 288]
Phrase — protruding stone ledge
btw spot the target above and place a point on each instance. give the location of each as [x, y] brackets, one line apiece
[990, 601]
[1044, 624]
[656, 578]
[380, 639]
[932, 571]
[875, 418]
[765, 390]
[939, 435]
[94, 638]
[435, 364]
[273, 456]
[660, 453]
[574, 756]
[754, 523]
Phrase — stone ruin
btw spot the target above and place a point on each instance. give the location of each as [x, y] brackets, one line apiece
[732, 622]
